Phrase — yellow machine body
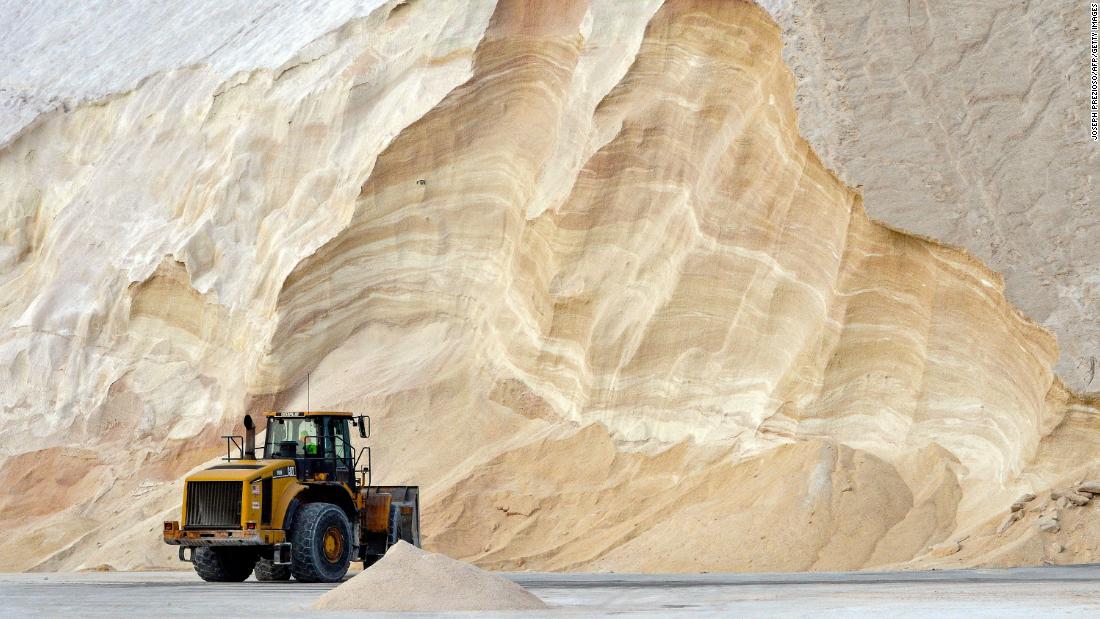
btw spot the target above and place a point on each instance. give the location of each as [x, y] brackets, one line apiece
[250, 502]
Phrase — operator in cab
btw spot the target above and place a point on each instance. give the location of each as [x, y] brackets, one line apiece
[307, 438]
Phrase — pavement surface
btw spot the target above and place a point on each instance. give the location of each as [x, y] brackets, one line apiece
[1020, 592]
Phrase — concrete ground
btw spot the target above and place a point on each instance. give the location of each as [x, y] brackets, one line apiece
[1021, 592]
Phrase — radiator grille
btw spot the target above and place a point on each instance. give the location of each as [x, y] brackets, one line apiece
[214, 504]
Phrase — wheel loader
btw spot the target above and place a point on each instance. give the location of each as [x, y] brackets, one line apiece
[305, 508]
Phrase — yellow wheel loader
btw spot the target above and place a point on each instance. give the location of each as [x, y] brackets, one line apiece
[304, 509]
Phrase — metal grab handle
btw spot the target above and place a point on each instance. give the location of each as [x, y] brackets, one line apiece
[365, 471]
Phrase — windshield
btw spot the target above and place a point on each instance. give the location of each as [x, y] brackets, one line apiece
[292, 437]
[301, 431]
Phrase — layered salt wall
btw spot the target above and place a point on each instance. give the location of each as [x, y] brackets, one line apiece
[604, 303]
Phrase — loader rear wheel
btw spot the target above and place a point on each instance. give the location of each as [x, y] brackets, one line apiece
[321, 543]
[223, 564]
[267, 571]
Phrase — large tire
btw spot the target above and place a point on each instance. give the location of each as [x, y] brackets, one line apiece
[267, 571]
[321, 543]
[215, 564]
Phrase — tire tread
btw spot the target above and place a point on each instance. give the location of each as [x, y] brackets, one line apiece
[222, 564]
[267, 571]
[303, 565]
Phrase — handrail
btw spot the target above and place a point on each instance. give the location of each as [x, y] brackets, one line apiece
[231, 441]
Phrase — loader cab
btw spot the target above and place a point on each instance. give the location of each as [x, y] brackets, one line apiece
[319, 443]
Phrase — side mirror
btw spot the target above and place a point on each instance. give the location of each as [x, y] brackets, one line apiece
[364, 426]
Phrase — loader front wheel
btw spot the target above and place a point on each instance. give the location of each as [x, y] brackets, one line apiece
[223, 564]
[267, 571]
[321, 543]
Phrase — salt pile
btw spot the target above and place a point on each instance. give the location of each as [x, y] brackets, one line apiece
[409, 578]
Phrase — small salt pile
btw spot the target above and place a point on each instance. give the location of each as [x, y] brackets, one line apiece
[409, 578]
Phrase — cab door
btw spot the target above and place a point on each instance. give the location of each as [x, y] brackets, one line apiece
[340, 438]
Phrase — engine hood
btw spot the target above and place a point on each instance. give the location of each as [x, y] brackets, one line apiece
[241, 470]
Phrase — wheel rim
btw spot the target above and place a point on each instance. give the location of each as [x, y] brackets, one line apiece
[333, 545]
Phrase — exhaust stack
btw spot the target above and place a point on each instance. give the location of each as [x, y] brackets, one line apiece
[249, 438]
